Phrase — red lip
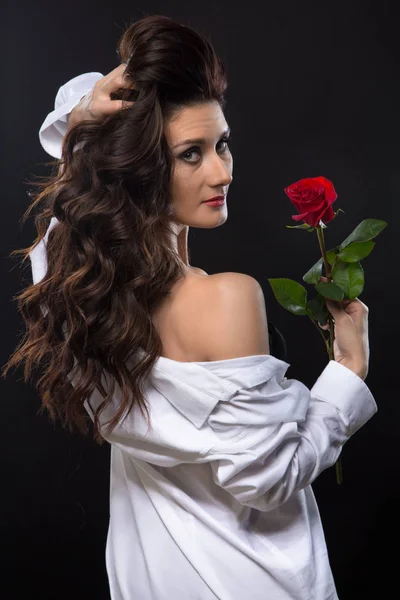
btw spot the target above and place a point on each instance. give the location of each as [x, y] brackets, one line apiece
[216, 199]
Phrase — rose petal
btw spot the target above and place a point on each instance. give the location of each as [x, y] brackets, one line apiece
[330, 192]
[304, 217]
[312, 197]
[328, 215]
[313, 204]
[299, 217]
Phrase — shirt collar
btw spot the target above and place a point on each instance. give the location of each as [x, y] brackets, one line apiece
[194, 388]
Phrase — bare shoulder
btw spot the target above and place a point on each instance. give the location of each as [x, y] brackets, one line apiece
[231, 280]
[234, 319]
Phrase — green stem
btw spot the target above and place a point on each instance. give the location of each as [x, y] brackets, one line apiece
[328, 272]
[320, 331]
[321, 240]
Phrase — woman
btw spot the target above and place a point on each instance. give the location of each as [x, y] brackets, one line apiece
[213, 450]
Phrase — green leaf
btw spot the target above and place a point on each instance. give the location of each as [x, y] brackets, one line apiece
[317, 307]
[303, 226]
[356, 251]
[290, 294]
[314, 274]
[349, 277]
[330, 290]
[331, 256]
[366, 230]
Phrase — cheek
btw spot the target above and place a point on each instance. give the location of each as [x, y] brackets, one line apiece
[183, 185]
[181, 193]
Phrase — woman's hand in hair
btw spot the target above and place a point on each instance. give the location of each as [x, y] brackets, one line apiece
[97, 103]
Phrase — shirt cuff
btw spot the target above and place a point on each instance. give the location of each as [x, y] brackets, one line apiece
[342, 388]
[55, 125]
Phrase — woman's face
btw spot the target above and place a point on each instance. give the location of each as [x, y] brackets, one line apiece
[202, 167]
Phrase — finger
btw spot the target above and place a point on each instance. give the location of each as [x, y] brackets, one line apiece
[357, 310]
[119, 78]
[125, 103]
[111, 106]
[112, 79]
[117, 83]
[117, 72]
[345, 303]
[339, 314]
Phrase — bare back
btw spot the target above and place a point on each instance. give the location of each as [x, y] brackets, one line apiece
[177, 317]
[213, 317]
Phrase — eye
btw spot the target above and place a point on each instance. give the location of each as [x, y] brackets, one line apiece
[226, 141]
[195, 149]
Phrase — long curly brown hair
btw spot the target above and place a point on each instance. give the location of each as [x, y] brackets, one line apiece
[110, 260]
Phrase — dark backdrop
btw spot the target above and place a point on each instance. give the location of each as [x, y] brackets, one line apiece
[314, 90]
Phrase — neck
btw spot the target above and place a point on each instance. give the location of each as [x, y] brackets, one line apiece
[182, 244]
[179, 240]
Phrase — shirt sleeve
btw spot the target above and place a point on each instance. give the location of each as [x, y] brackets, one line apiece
[38, 256]
[276, 437]
[54, 127]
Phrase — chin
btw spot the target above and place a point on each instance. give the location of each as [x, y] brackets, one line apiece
[213, 223]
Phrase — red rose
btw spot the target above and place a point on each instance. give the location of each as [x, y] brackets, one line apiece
[313, 198]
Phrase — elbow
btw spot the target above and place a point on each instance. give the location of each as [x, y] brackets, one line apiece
[269, 500]
[267, 493]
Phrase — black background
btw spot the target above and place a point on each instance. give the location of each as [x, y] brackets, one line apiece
[313, 90]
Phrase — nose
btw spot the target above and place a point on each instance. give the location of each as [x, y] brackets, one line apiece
[220, 172]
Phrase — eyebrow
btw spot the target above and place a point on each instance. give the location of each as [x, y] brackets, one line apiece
[200, 141]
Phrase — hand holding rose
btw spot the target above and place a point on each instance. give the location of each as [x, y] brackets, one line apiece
[335, 307]
[351, 341]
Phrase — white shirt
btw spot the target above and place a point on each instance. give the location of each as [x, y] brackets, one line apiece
[214, 500]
